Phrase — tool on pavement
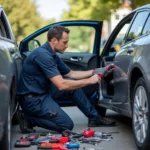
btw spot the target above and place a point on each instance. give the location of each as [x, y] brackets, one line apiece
[95, 140]
[88, 133]
[33, 136]
[72, 134]
[42, 139]
[23, 142]
[72, 145]
[52, 146]
[59, 140]
[101, 134]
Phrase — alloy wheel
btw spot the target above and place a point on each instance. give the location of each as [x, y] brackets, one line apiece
[140, 112]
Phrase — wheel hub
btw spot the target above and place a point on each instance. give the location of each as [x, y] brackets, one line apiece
[140, 111]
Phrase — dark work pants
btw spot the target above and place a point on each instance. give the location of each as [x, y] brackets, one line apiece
[44, 112]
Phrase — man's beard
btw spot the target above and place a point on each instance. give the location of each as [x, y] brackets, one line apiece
[58, 51]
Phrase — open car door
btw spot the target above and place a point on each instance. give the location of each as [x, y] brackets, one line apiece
[82, 53]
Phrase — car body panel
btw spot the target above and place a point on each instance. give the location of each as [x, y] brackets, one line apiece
[7, 75]
[4, 84]
[132, 63]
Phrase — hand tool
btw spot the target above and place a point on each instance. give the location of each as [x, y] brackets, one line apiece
[88, 132]
[23, 142]
[41, 139]
[33, 136]
[94, 140]
[60, 139]
[51, 146]
[72, 145]
[101, 72]
[71, 134]
[118, 80]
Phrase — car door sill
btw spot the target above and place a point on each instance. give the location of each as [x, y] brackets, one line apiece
[119, 107]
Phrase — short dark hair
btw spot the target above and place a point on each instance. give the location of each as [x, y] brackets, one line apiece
[56, 31]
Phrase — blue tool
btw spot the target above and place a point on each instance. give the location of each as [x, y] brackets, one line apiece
[72, 145]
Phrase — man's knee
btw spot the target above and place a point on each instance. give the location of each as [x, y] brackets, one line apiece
[69, 124]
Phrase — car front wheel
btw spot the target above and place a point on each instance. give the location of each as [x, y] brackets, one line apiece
[140, 118]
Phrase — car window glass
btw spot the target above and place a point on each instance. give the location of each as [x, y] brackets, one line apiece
[137, 25]
[81, 40]
[119, 40]
[146, 27]
[5, 29]
[2, 29]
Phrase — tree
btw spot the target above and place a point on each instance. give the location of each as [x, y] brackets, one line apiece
[97, 9]
[134, 3]
[23, 17]
[89, 9]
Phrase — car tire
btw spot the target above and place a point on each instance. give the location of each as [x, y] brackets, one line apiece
[140, 119]
[5, 143]
[101, 110]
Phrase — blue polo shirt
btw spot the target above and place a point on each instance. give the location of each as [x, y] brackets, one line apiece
[42, 64]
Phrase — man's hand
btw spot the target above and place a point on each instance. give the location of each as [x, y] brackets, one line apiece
[94, 79]
[104, 71]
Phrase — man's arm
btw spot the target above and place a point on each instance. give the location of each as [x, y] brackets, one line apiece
[79, 74]
[64, 84]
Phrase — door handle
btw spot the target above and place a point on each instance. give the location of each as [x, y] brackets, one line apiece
[130, 50]
[74, 59]
[11, 50]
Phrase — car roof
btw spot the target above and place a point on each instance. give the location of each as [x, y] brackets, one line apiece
[147, 6]
[142, 7]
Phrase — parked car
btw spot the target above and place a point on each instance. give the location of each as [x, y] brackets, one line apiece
[9, 55]
[128, 96]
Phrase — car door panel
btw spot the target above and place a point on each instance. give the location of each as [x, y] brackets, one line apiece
[122, 60]
[96, 24]
[80, 61]
[16, 69]
[125, 57]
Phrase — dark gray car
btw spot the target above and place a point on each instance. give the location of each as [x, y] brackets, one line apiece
[9, 54]
[130, 96]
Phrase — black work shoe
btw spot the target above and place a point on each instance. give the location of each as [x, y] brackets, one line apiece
[24, 125]
[99, 122]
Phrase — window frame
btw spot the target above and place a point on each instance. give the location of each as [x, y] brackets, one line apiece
[145, 25]
[92, 28]
[116, 31]
[127, 39]
[7, 31]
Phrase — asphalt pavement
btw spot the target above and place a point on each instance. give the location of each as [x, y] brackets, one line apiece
[122, 141]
